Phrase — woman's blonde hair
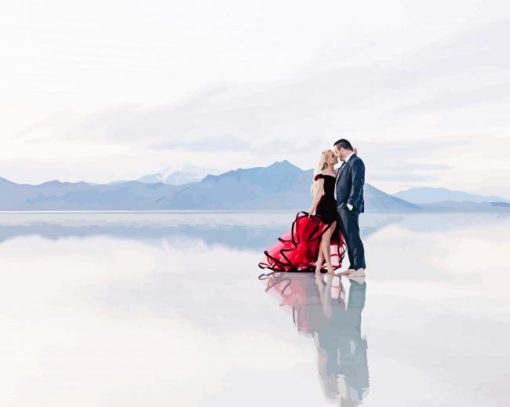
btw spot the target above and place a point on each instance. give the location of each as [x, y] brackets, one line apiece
[321, 166]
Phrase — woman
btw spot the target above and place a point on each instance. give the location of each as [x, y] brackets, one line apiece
[315, 235]
[324, 205]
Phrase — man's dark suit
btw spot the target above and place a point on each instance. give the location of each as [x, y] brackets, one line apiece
[349, 190]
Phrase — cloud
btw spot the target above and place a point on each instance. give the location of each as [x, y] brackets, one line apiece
[420, 167]
[320, 104]
[407, 101]
[466, 54]
[215, 144]
[410, 172]
[449, 100]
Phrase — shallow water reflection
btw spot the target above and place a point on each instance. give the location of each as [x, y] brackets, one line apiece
[323, 310]
[158, 309]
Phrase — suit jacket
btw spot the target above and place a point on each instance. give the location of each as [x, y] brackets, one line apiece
[349, 184]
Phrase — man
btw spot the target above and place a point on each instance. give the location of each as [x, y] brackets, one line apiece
[349, 201]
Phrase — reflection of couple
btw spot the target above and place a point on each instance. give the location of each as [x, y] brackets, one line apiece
[319, 309]
[331, 226]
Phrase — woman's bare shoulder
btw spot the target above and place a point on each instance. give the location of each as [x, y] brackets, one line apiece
[322, 173]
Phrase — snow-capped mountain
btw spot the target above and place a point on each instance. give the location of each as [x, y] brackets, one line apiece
[178, 176]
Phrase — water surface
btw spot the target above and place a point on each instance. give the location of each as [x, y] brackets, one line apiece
[129, 309]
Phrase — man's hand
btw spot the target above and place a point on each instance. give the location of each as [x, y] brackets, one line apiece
[350, 207]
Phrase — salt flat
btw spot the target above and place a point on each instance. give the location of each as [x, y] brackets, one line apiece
[129, 309]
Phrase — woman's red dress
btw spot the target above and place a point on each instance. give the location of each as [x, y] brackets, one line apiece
[298, 248]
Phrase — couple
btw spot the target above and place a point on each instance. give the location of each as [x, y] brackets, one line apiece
[331, 225]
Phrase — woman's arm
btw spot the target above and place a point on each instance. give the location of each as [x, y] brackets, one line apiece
[318, 193]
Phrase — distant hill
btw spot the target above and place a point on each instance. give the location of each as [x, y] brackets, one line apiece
[380, 201]
[56, 195]
[281, 185]
[434, 195]
[452, 206]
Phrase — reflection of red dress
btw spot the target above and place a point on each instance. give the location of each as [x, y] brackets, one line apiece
[299, 292]
[298, 248]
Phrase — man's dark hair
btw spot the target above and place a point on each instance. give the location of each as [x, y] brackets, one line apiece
[343, 143]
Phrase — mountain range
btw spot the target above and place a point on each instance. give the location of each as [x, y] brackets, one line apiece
[435, 195]
[281, 185]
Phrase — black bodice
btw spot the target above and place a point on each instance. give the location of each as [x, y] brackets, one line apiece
[326, 208]
[329, 184]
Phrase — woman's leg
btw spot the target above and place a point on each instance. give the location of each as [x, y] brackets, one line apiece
[320, 260]
[326, 246]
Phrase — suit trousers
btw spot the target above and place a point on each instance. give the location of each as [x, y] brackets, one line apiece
[349, 226]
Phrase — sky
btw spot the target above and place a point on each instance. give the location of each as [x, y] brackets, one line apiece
[106, 90]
